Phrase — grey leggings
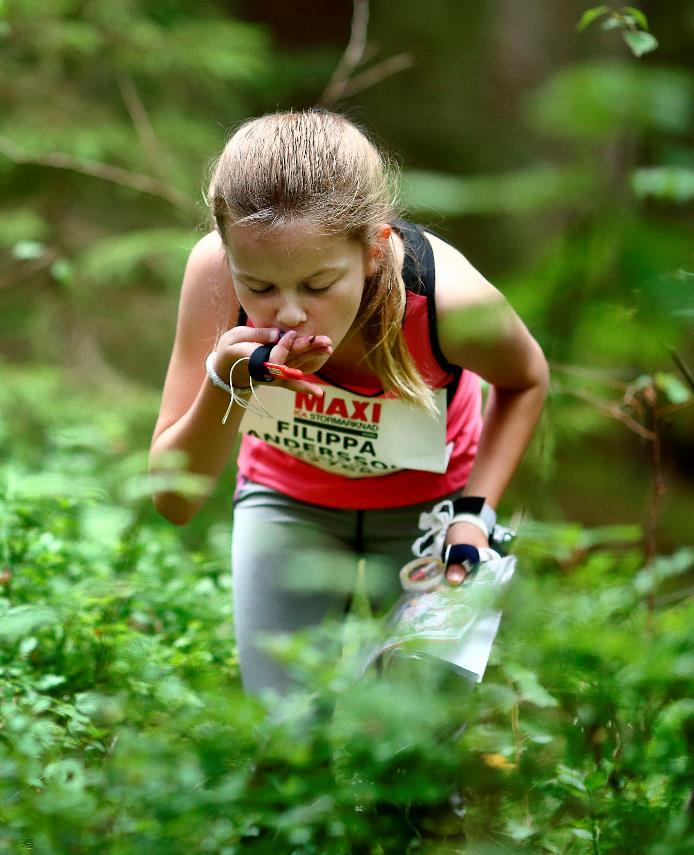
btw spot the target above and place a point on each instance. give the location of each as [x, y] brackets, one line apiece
[295, 564]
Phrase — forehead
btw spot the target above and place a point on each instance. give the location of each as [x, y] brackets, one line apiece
[297, 249]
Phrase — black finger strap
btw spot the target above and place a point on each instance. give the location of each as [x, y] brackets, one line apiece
[255, 365]
[459, 553]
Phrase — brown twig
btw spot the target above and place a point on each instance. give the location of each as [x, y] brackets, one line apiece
[344, 82]
[377, 73]
[674, 408]
[614, 410]
[143, 127]
[587, 374]
[104, 171]
[353, 53]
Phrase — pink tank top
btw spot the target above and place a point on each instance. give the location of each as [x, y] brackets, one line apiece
[263, 463]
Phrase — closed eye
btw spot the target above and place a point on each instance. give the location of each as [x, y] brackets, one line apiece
[265, 290]
[317, 289]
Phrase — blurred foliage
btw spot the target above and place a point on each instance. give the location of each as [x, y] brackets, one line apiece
[562, 166]
[630, 21]
[124, 727]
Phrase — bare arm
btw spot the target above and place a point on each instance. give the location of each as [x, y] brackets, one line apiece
[191, 408]
[190, 416]
[479, 330]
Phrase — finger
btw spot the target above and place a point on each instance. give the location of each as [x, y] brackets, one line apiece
[455, 575]
[305, 344]
[282, 349]
[304, 386]
[263, 335]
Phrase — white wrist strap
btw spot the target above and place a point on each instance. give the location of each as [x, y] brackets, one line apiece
[214, 377]
[238, 395]
[472, 519]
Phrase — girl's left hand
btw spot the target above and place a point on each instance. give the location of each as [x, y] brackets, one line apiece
[463, 532]
[302, 352]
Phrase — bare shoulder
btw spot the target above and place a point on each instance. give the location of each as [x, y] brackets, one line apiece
[207, 308]
[207, 284]
[477, 327]
[458, 282]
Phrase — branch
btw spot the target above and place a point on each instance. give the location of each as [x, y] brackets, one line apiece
[673, 408]
[614, 411]
[586, 374]
[104, 171]
[352, 56]
[377, 73]
[343, 82]
[143, 127]
[679, 362]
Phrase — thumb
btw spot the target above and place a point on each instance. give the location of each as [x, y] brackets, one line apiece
[455, 575]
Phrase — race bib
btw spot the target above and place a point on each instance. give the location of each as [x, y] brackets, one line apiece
[351, 435]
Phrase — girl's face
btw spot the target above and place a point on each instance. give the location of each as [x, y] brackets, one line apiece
[295, 278]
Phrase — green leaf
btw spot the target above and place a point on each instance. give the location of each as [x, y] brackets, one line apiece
[590, 15]
[641, 19]
[21, 224]
[596, 779]
[120, 259]
[61, 270]
[593, 101]
[28, 250]
[612, 23]
[49, 681]
[520, 831]
[529, 686]
[662, 568]
[668, 183]
[582, 833]
[640, 42]
[532, 189]
[673, 388]
[23, 620]
[55, 485]
[571, 778]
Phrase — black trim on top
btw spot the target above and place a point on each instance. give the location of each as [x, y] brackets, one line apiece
[347, 388]
[420, 268]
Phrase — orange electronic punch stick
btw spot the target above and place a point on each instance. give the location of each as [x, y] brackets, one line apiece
[284, 371]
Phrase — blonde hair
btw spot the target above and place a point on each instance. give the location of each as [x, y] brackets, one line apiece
[316, 165]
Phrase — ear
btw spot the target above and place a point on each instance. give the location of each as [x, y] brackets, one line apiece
[375, 251]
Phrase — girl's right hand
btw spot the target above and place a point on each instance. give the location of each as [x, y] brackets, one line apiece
[291, 349]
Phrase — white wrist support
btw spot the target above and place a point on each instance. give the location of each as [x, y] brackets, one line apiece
[214, 377]
[472, 519]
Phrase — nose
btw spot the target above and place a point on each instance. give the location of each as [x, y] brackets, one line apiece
[290, 314]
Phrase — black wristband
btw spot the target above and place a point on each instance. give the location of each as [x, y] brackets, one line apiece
[255, 365]
[478, 506]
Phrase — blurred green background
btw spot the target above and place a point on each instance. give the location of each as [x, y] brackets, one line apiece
[559, 162]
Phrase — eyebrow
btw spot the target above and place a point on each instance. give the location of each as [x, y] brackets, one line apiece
[320, 272]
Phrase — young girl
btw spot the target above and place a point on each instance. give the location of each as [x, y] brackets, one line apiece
[392, 329]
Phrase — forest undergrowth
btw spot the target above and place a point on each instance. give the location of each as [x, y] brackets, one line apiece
[123, 726]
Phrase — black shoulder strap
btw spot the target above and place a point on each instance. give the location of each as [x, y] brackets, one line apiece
[419, 276]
